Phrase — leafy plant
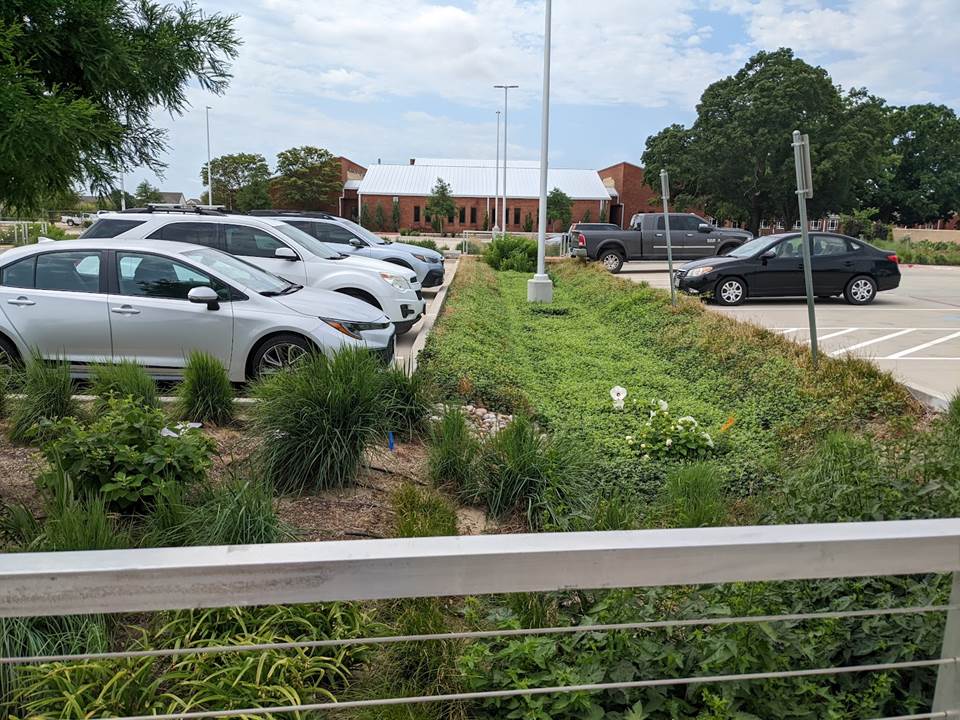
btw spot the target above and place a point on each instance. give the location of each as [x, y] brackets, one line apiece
[693, 496]
[318, 418]
[428, 243]
[124, 379]
[511, 252]
[453, 450]
[205, 395]
[423, 513]
[123, 456]
[48, 396]
[661, 435]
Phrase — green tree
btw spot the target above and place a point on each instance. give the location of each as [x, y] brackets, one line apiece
[309, 177]
[737, 159]
[364, 216]
[254, 196]
[559, 207]
[395, 215]
[81, 81]
[146, 193]
[379, 217]
[603, 213]
[921, 180]
[440, 203]
[528, 222]
[586, 216]
[486, 220]
[233, 173]
[111, 201]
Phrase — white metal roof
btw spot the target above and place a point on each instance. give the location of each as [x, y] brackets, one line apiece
[466, 162]
[522, 182]
[351, 184]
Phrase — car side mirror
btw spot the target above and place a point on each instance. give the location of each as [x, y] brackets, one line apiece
[356, 242]
[705, 227]
[204, 295]
[768, 254]
[285, 253]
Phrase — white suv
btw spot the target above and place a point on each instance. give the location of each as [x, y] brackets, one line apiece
[278, 248]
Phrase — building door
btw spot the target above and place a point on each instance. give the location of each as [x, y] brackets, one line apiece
[616, 215]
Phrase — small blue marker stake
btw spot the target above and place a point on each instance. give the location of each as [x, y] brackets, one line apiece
[390, 443]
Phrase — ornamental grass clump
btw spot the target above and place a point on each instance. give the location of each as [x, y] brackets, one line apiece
[126, 379]
[423, 513]
[205, 395]
[48, 396]
[453, 450]
[409, 402]
[693, 496]
[317, 419]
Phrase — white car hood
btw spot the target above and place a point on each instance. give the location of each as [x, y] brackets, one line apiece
[378, 266]
[329, 304]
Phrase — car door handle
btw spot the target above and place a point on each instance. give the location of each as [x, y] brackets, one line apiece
[125, 310]
[848, 263]
[21, 301]
[659, 234]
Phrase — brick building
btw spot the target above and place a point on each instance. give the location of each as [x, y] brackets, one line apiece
[344, 204]
[473, 185]
[628, 192]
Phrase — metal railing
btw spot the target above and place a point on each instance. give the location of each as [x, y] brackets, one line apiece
[45, 584]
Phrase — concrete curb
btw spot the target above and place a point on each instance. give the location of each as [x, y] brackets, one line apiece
[429, 319]
[929, 398]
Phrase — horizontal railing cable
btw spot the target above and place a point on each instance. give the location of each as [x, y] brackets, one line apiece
[923, 716]
[592, 687]
[481, 634]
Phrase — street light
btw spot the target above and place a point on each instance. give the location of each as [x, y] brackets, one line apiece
[496, 178]
[540, 286]
[505, 89]
[209, 169]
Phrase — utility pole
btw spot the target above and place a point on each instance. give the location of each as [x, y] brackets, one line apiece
[496, 179]
[665, 194]
[209, 169]
[801, 157]
[540, 286]
[506, 88]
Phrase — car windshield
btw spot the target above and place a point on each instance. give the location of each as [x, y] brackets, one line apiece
[755, 246]
[370, 237]
[240, 272]
[308, 242]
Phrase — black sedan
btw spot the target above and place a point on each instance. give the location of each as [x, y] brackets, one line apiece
[772, 266]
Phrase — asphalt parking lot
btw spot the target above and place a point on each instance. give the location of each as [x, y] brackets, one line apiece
[913, 331]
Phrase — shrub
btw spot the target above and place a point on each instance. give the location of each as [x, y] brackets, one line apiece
[663, 436]
[693, 496]
[123, 456]
[511, 252]
[6, 381]
[318, 418]
[423, 513]
[453, 450]
[48, 396]
[427, 243]
[240, 511]
[121, 380]
[205, 395]
[409, 401]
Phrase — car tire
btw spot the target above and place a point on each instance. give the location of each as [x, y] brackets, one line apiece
[278, 353]
[611, 260]
[861, 290]
[404, 327]
[70, 223]
[730, 291]
[9, 356]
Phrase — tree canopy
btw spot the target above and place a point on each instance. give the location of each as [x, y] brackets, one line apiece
[146, 193]
[308, 177]
[440, 203]
[81, 79]
[736, 160]
[559, 207]
[239, 180]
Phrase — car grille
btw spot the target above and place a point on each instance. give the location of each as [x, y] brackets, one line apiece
[386, 354]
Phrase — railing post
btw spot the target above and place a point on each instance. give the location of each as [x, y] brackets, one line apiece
[946, 697]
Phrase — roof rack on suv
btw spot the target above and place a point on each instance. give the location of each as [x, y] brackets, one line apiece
[172, 208]
[294, 213]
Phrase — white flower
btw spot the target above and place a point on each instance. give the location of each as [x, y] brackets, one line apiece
[652, 413]
[663, 405]
[709, 441]
[643, 446]
[669, 442]
[689, 420]
[646, 457]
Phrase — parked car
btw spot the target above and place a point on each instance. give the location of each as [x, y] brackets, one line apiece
[690, 235]
[346, 236]
[279, 248]
[96, 300]
[772, 266]
[77, 219]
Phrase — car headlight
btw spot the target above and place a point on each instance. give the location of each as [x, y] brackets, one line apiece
[353, 329]
[697, 272]
[421, 258]
[400, 283]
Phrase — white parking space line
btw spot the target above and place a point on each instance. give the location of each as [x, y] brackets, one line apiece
[924, 346]
[836, 334]
[872, 342]
[786, 331]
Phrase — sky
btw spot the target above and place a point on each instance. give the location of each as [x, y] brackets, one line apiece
[387, 80]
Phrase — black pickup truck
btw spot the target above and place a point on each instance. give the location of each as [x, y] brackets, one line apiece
[691, 236]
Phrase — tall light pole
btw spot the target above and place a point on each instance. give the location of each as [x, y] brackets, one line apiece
[540, 287]
[496, 178]
[209, 169]
[506, 88]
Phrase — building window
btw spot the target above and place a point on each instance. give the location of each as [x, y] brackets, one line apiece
[473, 216]
[814, 224]
[416, 213]
[833, 224]
[463, 215]
[764, 225]
[506, 218]
[796, 224]
[779, 224]
[516, 216]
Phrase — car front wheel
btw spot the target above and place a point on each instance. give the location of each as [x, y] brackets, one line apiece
[278, 353]
[861, 290]
[730, 291]
[611, 260]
